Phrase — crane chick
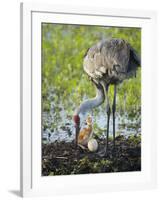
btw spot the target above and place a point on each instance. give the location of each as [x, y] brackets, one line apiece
[86, 133]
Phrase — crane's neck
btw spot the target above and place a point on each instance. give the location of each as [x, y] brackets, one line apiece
[91, 103]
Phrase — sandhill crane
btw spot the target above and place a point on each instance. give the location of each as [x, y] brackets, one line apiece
[107, 62]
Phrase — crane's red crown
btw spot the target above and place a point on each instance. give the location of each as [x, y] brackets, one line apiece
[76, 119]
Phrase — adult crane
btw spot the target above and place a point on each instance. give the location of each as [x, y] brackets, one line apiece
[109, 62]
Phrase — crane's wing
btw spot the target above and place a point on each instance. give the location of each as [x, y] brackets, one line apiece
[108, 58]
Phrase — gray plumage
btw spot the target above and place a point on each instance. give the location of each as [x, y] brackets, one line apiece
[111, 61]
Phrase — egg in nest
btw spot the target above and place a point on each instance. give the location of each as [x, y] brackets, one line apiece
[92, 145]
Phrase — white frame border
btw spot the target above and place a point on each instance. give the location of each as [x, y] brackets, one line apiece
[26, 182]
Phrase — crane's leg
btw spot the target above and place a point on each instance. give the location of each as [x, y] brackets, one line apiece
[108, 111]
[76, 136]
[113, 111]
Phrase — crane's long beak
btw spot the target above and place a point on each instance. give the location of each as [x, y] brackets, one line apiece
[77, 129]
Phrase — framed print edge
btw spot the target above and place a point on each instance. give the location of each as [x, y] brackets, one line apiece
[31, 182]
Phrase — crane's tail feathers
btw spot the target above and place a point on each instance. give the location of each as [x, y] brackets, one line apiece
[135, 57]
[134, 61]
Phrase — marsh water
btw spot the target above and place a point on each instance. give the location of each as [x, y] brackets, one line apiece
[57, 123]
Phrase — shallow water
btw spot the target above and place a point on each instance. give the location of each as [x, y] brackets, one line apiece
[61, 128]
